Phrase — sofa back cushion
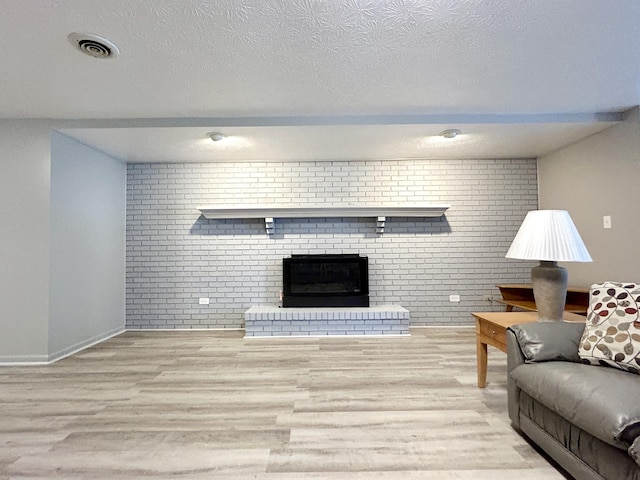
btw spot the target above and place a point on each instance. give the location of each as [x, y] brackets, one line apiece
[612, 333]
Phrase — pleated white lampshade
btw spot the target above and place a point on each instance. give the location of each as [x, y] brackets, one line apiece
[548, 235]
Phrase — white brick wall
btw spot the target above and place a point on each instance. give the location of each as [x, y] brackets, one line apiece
[174, 256]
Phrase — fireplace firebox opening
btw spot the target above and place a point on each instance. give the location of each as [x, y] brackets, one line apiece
[340, 280]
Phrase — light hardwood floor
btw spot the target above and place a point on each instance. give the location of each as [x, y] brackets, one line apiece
[204, 405]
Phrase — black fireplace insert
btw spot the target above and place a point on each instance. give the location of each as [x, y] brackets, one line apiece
[325, 281]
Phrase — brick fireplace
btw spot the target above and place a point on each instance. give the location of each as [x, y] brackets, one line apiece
[268, 321]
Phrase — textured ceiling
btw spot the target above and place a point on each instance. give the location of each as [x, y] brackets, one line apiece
[461, 60]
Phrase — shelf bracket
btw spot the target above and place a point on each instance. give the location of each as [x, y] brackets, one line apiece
[380, 225]
[269, 225]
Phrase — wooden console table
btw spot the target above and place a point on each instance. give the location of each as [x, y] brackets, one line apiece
[491, 329]
[520, 295]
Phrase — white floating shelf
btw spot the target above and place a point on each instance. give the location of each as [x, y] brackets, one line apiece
[269, 214]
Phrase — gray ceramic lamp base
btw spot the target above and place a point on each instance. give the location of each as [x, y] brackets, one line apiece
[549, 290]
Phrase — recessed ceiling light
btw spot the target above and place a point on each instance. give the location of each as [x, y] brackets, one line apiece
[94, 45]
[450, 133]
[216, 136]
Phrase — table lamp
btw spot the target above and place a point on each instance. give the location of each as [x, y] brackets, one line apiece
[550, 237]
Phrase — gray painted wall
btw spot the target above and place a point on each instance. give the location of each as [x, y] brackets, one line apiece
[24, 239]
[87, 246]
[592, 178]
[34, 233]
[174, 256]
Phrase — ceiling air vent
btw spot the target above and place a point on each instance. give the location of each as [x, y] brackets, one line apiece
[93, 45]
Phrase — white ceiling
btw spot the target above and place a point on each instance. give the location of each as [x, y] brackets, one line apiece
[323, 79]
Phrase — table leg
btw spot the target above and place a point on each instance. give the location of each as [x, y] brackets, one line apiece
[481, 360]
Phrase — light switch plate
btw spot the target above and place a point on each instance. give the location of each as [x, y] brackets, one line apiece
[606, 221]
[203, 301]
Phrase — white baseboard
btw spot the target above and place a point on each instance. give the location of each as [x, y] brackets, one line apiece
[22, 360]
[441, 326]
[235, 329]
[54, 357]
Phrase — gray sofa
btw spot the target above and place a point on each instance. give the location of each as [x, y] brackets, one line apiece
[585, 417]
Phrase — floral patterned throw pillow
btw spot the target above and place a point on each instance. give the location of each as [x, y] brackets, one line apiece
[612, 333]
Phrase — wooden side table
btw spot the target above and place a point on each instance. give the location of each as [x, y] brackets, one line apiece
[520, 295]
[491, 329]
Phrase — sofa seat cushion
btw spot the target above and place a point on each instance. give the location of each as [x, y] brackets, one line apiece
[602, 401]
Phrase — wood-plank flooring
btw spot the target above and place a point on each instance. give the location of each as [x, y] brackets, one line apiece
[212, 405]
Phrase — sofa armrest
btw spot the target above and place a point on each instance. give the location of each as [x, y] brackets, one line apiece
[515, 357]
[538, 342]
[549, 341]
